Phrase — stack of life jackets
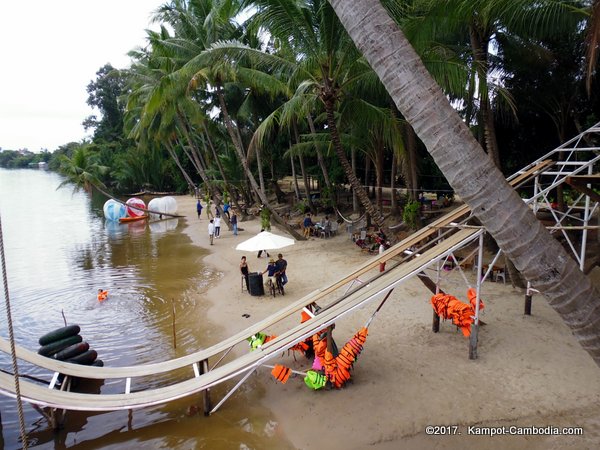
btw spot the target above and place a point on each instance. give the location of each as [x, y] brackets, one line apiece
[462, 314]
[337, 369]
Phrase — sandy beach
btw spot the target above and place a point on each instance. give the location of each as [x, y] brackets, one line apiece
[531, 372]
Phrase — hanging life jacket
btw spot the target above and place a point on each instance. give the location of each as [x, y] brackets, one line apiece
[258, 340]
[281, 373]
[315, 380]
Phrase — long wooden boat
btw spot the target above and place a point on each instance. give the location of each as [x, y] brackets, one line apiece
[132, 219]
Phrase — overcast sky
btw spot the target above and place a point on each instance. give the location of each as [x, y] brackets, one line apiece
[50, 51]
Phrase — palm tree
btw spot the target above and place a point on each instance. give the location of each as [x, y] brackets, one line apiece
[82, 169]
[198, 24]
[325, 64]
[471, 173]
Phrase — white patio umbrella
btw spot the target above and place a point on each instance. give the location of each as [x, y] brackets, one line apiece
[265, 241]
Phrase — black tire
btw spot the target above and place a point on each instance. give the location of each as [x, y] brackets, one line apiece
[72, 351]
[86, 358]
[54, 347]
[58, 334]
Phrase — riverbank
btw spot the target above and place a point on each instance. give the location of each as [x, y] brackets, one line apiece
[530, 370]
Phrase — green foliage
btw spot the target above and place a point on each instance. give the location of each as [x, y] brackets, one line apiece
[265, 219]
[103, 94]
[302, 206]
[410, 214]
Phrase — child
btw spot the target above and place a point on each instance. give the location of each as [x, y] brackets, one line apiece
[102, 295]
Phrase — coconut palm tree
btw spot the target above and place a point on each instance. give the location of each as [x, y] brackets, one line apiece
[540, 258]
[324, 65]
[82, 169]
[197, 24]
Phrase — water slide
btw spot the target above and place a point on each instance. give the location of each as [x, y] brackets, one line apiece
[400, 269]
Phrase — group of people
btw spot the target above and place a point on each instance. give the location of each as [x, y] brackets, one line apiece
[214, 225]
[274, 270]
[310, 227]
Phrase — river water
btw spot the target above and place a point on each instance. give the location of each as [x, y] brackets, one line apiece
[59, 251]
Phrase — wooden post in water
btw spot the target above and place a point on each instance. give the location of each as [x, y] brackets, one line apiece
[174, 334]
[206, 392]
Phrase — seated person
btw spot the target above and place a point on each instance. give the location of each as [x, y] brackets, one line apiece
[271, 269]
[308, 225]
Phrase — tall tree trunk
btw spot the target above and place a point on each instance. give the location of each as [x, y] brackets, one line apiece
[261, 178]
[479, 47]
[175, 158]
[228, 185]
[296, 189]
[239, 148]
[368, 175]
[309, 201]
[195, 156]
[535, 253]
[411, 178]
[328, 96]
[379, 175]
[354, 197]
[321, 162]
[394, 196]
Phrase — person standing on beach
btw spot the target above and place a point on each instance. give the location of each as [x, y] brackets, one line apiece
[281, 268]
[211, 231]
[199, 208]
[234, 223]
[244, 269]
[261, 251]
[217, 226]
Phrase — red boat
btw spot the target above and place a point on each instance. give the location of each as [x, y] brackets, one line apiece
[132, 219]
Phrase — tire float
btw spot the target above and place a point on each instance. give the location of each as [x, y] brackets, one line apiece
[65, 344]
[59, 334]
[86, 358]
[72, 351]
[54, 347]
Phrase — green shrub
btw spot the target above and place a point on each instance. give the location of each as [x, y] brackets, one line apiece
[410, 215]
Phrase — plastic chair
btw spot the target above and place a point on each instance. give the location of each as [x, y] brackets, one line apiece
[500, 274]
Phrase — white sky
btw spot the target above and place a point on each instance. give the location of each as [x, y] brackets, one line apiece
[50, 51]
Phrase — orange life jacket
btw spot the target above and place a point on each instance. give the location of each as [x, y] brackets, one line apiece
[281, 373]
[102, 295]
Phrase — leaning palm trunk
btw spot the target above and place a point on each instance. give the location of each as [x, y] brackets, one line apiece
[535, 253]
[296, 189]
[195, 156]
[309, 201]
[237, 144]
[373, 212]
[321, 162]
[228, 185]
[479, 45]
[175, 158]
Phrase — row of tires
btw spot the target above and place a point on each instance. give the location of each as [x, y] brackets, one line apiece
[65, 344]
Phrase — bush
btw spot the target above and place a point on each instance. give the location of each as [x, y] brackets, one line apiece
[410, 214]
